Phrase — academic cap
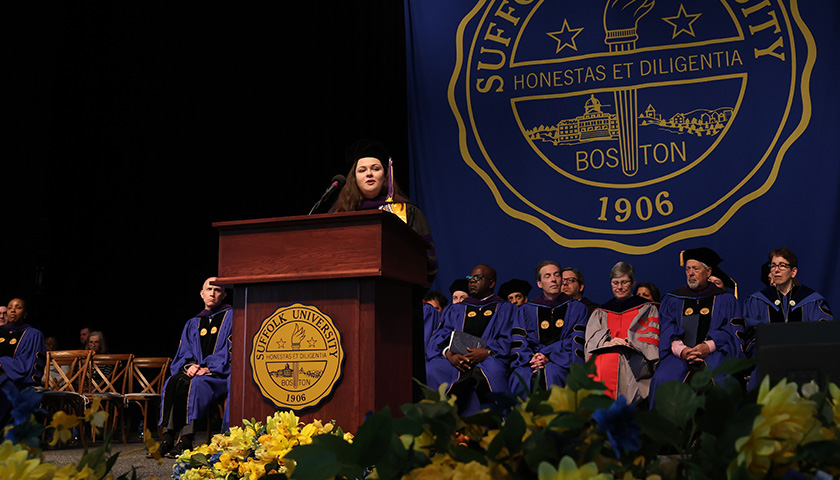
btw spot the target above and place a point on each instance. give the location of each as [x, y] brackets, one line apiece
[702, 254]
[728, 282]
[374, 149]
[367, 148]
[515, 285]
[765, 273]
[461, 284]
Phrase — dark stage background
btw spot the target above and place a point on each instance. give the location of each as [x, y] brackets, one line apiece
[137, 125]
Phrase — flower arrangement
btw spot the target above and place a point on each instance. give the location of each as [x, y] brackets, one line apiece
[254, 450]
[699, 430]
[20, 451]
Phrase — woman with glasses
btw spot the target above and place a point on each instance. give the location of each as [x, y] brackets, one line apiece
[623, 335]
[784, 301]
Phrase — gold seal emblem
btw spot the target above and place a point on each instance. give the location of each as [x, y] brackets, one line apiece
[203, 332]
[213, 330]
[704, 311]
[488, 313]
[689, 311]
[2, 339]
[544, 324]
[472, 314]
[297, 357]
[13, 341]
[559, 322]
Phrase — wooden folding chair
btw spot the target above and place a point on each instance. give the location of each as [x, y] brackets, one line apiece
[148, 374]
[64, 380]
[107, 381]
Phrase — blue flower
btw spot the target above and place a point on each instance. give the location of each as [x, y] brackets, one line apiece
[23, 428]
[179, 468]
[619, 424]
[24, 402]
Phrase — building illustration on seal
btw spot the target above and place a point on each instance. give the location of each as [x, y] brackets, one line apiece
[597, 125]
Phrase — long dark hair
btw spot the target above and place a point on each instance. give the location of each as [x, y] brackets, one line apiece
[350, 197]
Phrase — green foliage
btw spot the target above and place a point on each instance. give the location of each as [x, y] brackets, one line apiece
[689, 435]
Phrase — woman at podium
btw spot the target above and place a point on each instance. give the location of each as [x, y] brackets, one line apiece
[370, 185]
[374, 187]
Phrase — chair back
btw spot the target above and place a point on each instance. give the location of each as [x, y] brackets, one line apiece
[66, 370]
[109, 373]
[148, 375]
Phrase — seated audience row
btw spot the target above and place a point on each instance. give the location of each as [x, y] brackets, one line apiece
[638, 343]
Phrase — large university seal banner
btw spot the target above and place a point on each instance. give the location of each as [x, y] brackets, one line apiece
[297, 357]
[626, 127]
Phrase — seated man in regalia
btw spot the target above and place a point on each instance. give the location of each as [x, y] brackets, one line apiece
[700, 323]
[200, 371]
[473, 374]
[548, 333]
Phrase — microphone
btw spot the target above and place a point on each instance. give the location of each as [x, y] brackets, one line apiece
[338, 182]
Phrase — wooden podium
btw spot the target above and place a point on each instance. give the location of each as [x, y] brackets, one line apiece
[357, 267]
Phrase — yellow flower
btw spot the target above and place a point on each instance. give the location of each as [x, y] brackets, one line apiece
[252, 470]
[69, 472]
[62, 425]
[422, 443]
[835, 402]
[227, 465]
[786, 421]
[471, 471]
[200, 473]
[441, 468]
[568, 470]
[152, 446]
[15, 464]
[95, 416]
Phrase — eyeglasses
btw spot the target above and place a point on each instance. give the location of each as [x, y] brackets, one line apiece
[569, 280]
[476, 277]
[780, 266]
[620, 283]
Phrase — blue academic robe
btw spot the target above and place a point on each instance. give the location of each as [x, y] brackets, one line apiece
[724, 328]
[22, 359]
[554, 328]
[204, 389]
[496, 333]
[801, 304]
[431, 322]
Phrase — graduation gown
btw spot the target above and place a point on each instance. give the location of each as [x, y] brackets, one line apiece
[719, 320]
[801, 304]
[22, 359]
[554, 328]
[431, 322]
[205, 341]
[490, 319]
[625, 370]
[414, 218]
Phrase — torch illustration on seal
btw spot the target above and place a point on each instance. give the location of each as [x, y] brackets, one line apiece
[298, 335]
[621, 17]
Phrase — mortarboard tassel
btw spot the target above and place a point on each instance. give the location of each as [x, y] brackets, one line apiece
[390, 197]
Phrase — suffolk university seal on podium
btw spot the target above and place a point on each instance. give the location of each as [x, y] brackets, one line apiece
[297, 357]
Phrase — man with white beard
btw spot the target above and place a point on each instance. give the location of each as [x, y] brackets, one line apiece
[700, 323]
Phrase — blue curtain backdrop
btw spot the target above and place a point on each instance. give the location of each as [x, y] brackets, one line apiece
[593, 132]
